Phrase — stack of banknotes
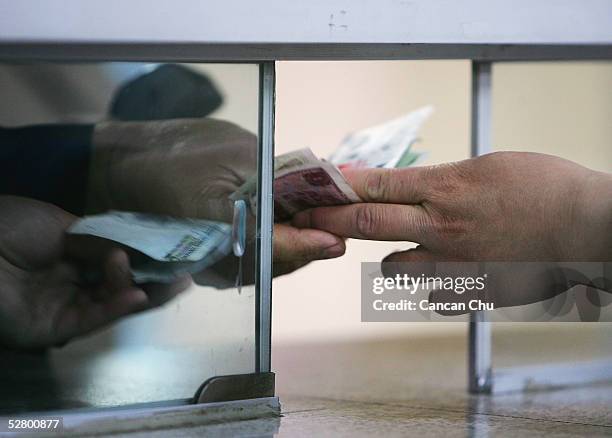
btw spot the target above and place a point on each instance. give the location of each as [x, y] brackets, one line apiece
[167, 247]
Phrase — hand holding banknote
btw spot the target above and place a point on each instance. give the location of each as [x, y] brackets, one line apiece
[500, 207]
[45, 298]
[188, 168]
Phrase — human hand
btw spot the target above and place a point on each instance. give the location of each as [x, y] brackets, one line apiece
[498, 207]
[188, 168]
[179, 167]
[43, 300]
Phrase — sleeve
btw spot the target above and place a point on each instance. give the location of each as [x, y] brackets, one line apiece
[49, 163]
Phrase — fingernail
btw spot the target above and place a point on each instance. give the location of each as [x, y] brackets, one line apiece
[324, 240]
[334, 251]
[301, 220]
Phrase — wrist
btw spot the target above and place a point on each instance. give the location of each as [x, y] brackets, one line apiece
[594, 242]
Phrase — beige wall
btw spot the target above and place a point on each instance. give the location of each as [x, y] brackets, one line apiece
[557, 108]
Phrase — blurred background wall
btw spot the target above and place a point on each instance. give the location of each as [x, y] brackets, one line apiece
[563, 109]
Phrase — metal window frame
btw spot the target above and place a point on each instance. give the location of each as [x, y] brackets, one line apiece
[265, 218]
[477, 30]
[439, 23]
[479, 354]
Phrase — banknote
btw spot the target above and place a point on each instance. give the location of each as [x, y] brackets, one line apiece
[387, 145]
[166, 246]
[410, 158]
[302, 181]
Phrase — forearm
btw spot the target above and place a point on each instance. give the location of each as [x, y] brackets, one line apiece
[49, 163]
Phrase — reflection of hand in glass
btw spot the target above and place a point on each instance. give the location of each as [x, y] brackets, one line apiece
[179, 167]
[43, 299]
[188, 168]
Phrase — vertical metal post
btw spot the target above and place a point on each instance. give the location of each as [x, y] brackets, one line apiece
[479, 360]
[265, 218]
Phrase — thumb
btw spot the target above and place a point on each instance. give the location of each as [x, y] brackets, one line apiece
[88, 249]
[293, 244]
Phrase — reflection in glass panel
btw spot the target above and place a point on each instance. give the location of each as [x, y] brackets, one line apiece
[148, 155]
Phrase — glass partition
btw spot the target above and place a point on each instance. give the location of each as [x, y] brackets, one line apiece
[128, 268]
[562, 113]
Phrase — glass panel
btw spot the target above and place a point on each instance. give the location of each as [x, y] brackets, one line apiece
[172, 141]
[561, 109]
